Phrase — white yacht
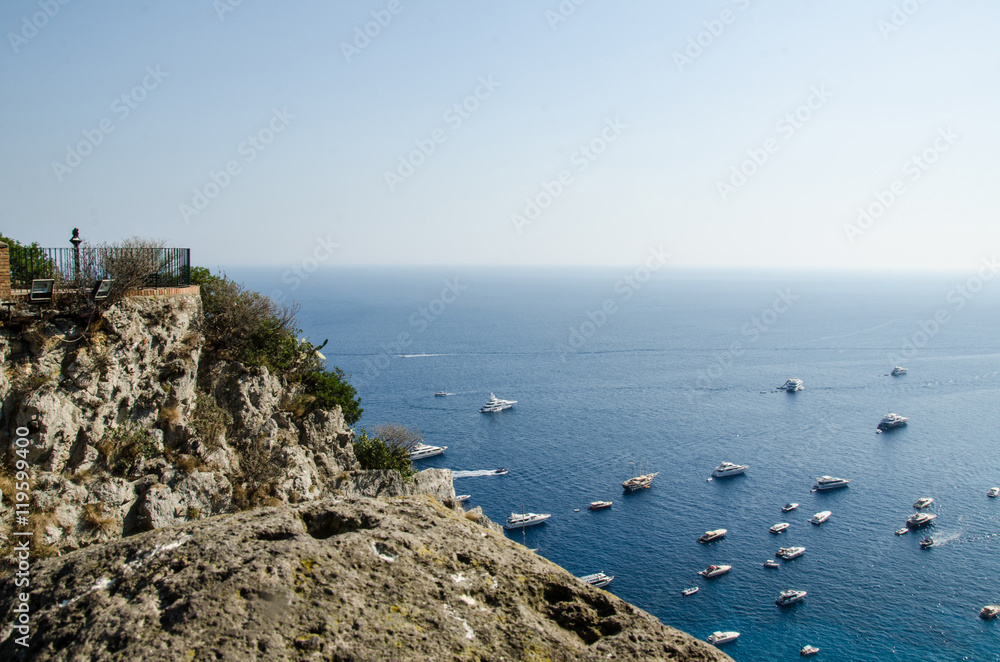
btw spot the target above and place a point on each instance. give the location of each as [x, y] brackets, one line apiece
[830, 482]
[892, 420]
[917, 520]
[712, 535]
[495, 404]
[598, 579]
[788, 507]
[771, 563]
[790, 597]
[789, 553]
[422, 451]
[821, 517]
[719, 638]
[808, 650]
[521, 520]
[923, 502]
[994, 492]
[462, 498]
[600, 505]
[779, 527]
[729, 469]
[714, 571]
[690, 591]
[898, 370]
[903, 531]
[792, 385]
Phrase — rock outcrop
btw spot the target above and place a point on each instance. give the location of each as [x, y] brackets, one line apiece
[340, 579]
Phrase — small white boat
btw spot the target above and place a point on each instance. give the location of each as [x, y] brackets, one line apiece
[690, 591]
[898, 370]
[789, 553]
[994, 492]
[821, 517]
[989, 612]
[715, 571]
[808, 650]
[441, 394]
[462, 498]
[790, 597]
[422, 451]
[926, 542]
[903, 531]
[598, 579]
[712, 535]
[727, 469]
[779, 527]
[719, 638]
[600, 505]
[923, 502]
[792, 385]
[771, 563]
[917, 520]
[500, 472]
[521, 520]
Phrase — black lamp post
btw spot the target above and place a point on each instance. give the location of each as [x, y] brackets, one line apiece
[76, 241]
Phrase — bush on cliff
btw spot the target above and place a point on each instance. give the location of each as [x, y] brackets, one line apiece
[378, 453]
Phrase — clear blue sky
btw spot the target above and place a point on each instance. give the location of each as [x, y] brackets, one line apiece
[673, 130]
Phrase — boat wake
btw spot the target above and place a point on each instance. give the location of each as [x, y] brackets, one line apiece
[474, 473]
[418, 356]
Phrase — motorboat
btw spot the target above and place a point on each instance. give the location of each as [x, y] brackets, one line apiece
[422, 451]
[898, 370]
[441, 394]
[714, 534]
[521, 520]
[790, 597]
[821, 517]
[808, 650]
[989, 612]
[789, 553]
[500, 472]
[830, 483]
[715, 571]
[788, 507]
[495, 404]
[598, 579]
[927, 542]
[462, 498]
[719, 638]
[891, 420]
[917, 520]
[903, 531]
[994, 492]
[779, 527]
[690, 591]
[792, 385]
[923, 502]
[600, 505]
[729, 469]
[771, 563]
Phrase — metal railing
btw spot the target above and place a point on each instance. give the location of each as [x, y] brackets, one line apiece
[156, 267]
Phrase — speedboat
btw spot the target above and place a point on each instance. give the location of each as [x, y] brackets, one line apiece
[714, 571]
[690, 591]
[462, 498]
[598, 579]
[441, 393]
[927, 542]
[891, 420]
[495, 404]
[789, 597]
[917, 520]
[729, 469]
[830, 483]
[821, 517]
[923, 502]
[521, 520]
[898, 370]
[719, 638]
[779, 527]
[808, 650]
[500, 472]
[789, 553]
[600, 505]
[643, 482]
[422, 451]
[771, 563]
[789, 507]
[994, 492]
[792, 385]
[714, 534]
[989, 612]
[903, 531]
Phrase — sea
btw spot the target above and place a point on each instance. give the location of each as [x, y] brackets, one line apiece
[650, 368]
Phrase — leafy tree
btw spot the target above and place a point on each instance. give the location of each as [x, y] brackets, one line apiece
[376, 453]
[27, 261]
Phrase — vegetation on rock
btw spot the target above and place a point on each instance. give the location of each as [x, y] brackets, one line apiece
[388, 448]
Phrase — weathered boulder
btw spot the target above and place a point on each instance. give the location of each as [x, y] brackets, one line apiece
[338, 579]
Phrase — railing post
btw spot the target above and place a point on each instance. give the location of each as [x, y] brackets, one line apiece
[76, 241]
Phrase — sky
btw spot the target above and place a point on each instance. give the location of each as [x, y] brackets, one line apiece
[858, 134]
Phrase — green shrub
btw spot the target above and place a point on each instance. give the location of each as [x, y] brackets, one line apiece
[375, 453]
[210, 420]
[331, 388]
[125, 447]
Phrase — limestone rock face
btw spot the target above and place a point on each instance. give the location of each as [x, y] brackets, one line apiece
[339, 579]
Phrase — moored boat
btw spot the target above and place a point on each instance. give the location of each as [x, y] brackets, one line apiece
[599, 505]
[714, 534]
[714, 571]
[462, 498]
[891, 420]
[779, 527]
[917, 520]
[495, 404]
[421, 451]
[790, 597]
[598, 579]
[690, 591]
[791, 385]
[898, 370]
[789, 553]
[719, 638]
[808, 650]
[727, 469]
[789, 507]
[771, 563]
[923, 502]
[994, 492]
[989, 612]
[820, 517]
[521, 520]
[903, 531]
[830, 482]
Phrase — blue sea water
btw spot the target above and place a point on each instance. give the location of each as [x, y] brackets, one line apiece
[677, 372]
